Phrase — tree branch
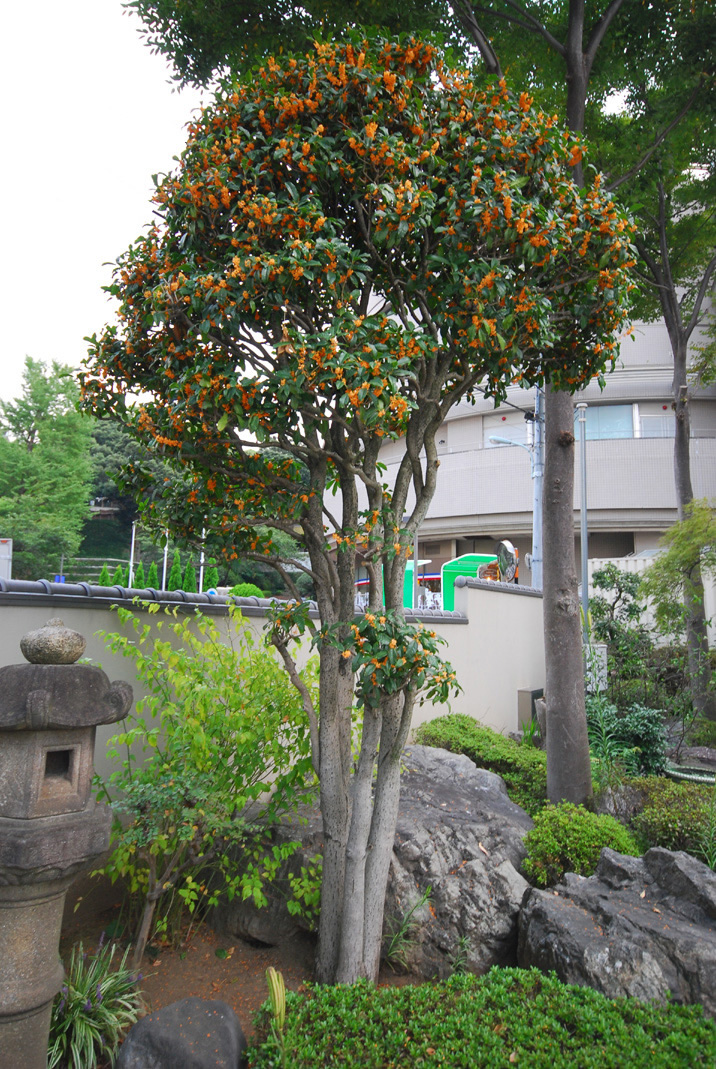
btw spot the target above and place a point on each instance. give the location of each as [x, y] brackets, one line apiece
[655, 144]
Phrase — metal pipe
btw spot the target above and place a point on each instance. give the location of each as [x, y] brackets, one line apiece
[584, 536]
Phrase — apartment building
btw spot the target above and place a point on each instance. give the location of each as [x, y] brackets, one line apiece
[484, 489]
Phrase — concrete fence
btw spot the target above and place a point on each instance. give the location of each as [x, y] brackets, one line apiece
[493, 638]
[637, 566]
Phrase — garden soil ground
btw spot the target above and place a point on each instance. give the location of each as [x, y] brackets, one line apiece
[206, 965]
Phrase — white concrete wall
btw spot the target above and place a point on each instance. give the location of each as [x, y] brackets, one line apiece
[494, 642]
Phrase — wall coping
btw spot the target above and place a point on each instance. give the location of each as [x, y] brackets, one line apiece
[28, 592]
[503, 588]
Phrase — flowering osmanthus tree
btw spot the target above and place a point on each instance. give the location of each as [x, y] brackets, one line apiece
[353, 240]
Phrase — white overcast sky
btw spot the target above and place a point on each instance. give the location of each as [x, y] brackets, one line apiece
[90, 115]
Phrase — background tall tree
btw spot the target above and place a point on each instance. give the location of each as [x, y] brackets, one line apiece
[353, 241]
[45, 470]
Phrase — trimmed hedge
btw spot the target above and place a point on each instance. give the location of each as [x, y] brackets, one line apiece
[507, 1017]
[523, 768]
[568, 838]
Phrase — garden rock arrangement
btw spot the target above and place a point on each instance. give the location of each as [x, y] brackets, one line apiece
[640, 927]
[458, 837]
[200, 1033]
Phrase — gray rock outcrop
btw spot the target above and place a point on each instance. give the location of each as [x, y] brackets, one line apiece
[194, 1033]
[642, 927]
[458, 836]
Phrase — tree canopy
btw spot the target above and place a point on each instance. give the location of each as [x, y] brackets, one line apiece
[45, 470]
[354, 239]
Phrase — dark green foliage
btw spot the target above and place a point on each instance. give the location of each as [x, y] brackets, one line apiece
[189, 580]
[523, 769]
[702, 733]
[568, 838]
[674, 815]
[139, 581]
[45, 471]
[638, 735]
[509, 1016]
[120, 576]
[175, 576]
[104, 579]
[211, 575]
[153, 576]
[246, 590]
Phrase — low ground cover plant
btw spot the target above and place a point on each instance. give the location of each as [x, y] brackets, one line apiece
[219, 744]
[523, 768]
[568, 838]
[507, 1017]
[97, 1002]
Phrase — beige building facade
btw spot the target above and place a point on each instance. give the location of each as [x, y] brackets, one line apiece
[484, 491]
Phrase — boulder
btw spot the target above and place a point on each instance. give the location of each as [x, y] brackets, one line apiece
[194, 1033]
[458, 837]
[644, 927]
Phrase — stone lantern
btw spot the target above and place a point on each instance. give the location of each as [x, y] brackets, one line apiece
[51, 827]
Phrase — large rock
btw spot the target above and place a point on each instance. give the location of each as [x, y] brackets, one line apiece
[643, 927]
[458, 837]
[194, 1033]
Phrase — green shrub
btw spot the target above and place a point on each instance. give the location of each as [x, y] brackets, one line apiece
[223, 732]
[568, 838]
[175, 574]
[637, 736]
[507, 1017]
[523, 769]
[674, 815]
[153, 576]
[246, 590]
[702, 732]
[94, 1006]
[104, 577]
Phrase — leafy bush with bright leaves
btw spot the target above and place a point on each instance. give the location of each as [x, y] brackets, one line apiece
[220, 740]
[508, 1016]
[93, 1008]
[568, 838]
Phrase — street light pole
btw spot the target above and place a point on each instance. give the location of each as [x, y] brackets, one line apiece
[584, 534]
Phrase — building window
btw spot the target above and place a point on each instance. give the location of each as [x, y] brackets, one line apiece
[610, 421]
[657, 424]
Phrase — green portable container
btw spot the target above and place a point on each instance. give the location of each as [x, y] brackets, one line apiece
[469, 564]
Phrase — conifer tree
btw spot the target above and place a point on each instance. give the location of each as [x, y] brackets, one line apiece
[189, 584]
[211, 575]
[139, 581]
[153, 576]
[104, 576]
[118, 577]
[175, 581]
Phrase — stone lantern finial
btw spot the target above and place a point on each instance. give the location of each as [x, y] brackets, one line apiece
[53, 644]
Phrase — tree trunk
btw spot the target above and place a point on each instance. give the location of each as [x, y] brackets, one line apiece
[336, 700]
[697, 641]
[569, 776]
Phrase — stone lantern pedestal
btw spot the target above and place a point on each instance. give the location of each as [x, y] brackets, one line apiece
[50, 826]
